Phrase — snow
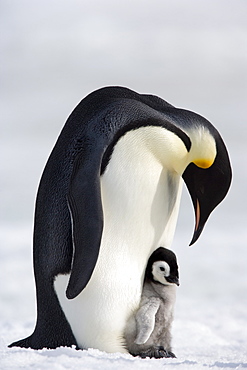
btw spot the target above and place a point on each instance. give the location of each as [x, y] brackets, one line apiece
[209, 329]
[194, 55]
[206, 348]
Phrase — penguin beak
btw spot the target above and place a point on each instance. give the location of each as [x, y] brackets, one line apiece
[198, 224]
[173, 280]
[208, 187]
[196, 185]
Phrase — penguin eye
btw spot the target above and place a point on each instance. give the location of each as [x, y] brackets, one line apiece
[162, 269]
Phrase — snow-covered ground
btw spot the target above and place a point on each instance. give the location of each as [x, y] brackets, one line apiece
[210, 321]
[193, 54]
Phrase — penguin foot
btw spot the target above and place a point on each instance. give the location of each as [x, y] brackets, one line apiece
[156, 352]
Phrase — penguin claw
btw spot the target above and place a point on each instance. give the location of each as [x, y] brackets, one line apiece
[156, 352]
[165, 353]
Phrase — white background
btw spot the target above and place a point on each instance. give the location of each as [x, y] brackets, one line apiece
[192, 53]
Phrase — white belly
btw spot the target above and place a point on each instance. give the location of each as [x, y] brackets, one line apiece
[140, 204]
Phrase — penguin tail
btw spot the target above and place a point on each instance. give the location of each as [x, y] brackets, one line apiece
[30, 342]
[43, 339]
[24, 343]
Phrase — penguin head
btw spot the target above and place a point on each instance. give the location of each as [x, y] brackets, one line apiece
[195, 151]
[161, 272]
[208, 174]
[162, 267]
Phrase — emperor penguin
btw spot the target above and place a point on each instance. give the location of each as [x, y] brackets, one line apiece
[108, 197]
[148, 331]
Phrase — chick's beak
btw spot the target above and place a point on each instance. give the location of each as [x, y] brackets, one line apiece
[173, 280]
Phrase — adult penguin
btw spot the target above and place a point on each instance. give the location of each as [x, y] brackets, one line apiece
[108, 197]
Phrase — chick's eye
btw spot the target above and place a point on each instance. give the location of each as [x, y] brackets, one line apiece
[162, 269]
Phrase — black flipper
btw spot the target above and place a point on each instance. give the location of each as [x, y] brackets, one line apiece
[87, 218]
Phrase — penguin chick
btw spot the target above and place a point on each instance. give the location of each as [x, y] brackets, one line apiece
[148, 331]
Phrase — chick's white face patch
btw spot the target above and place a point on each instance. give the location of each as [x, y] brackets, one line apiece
[160, 270]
